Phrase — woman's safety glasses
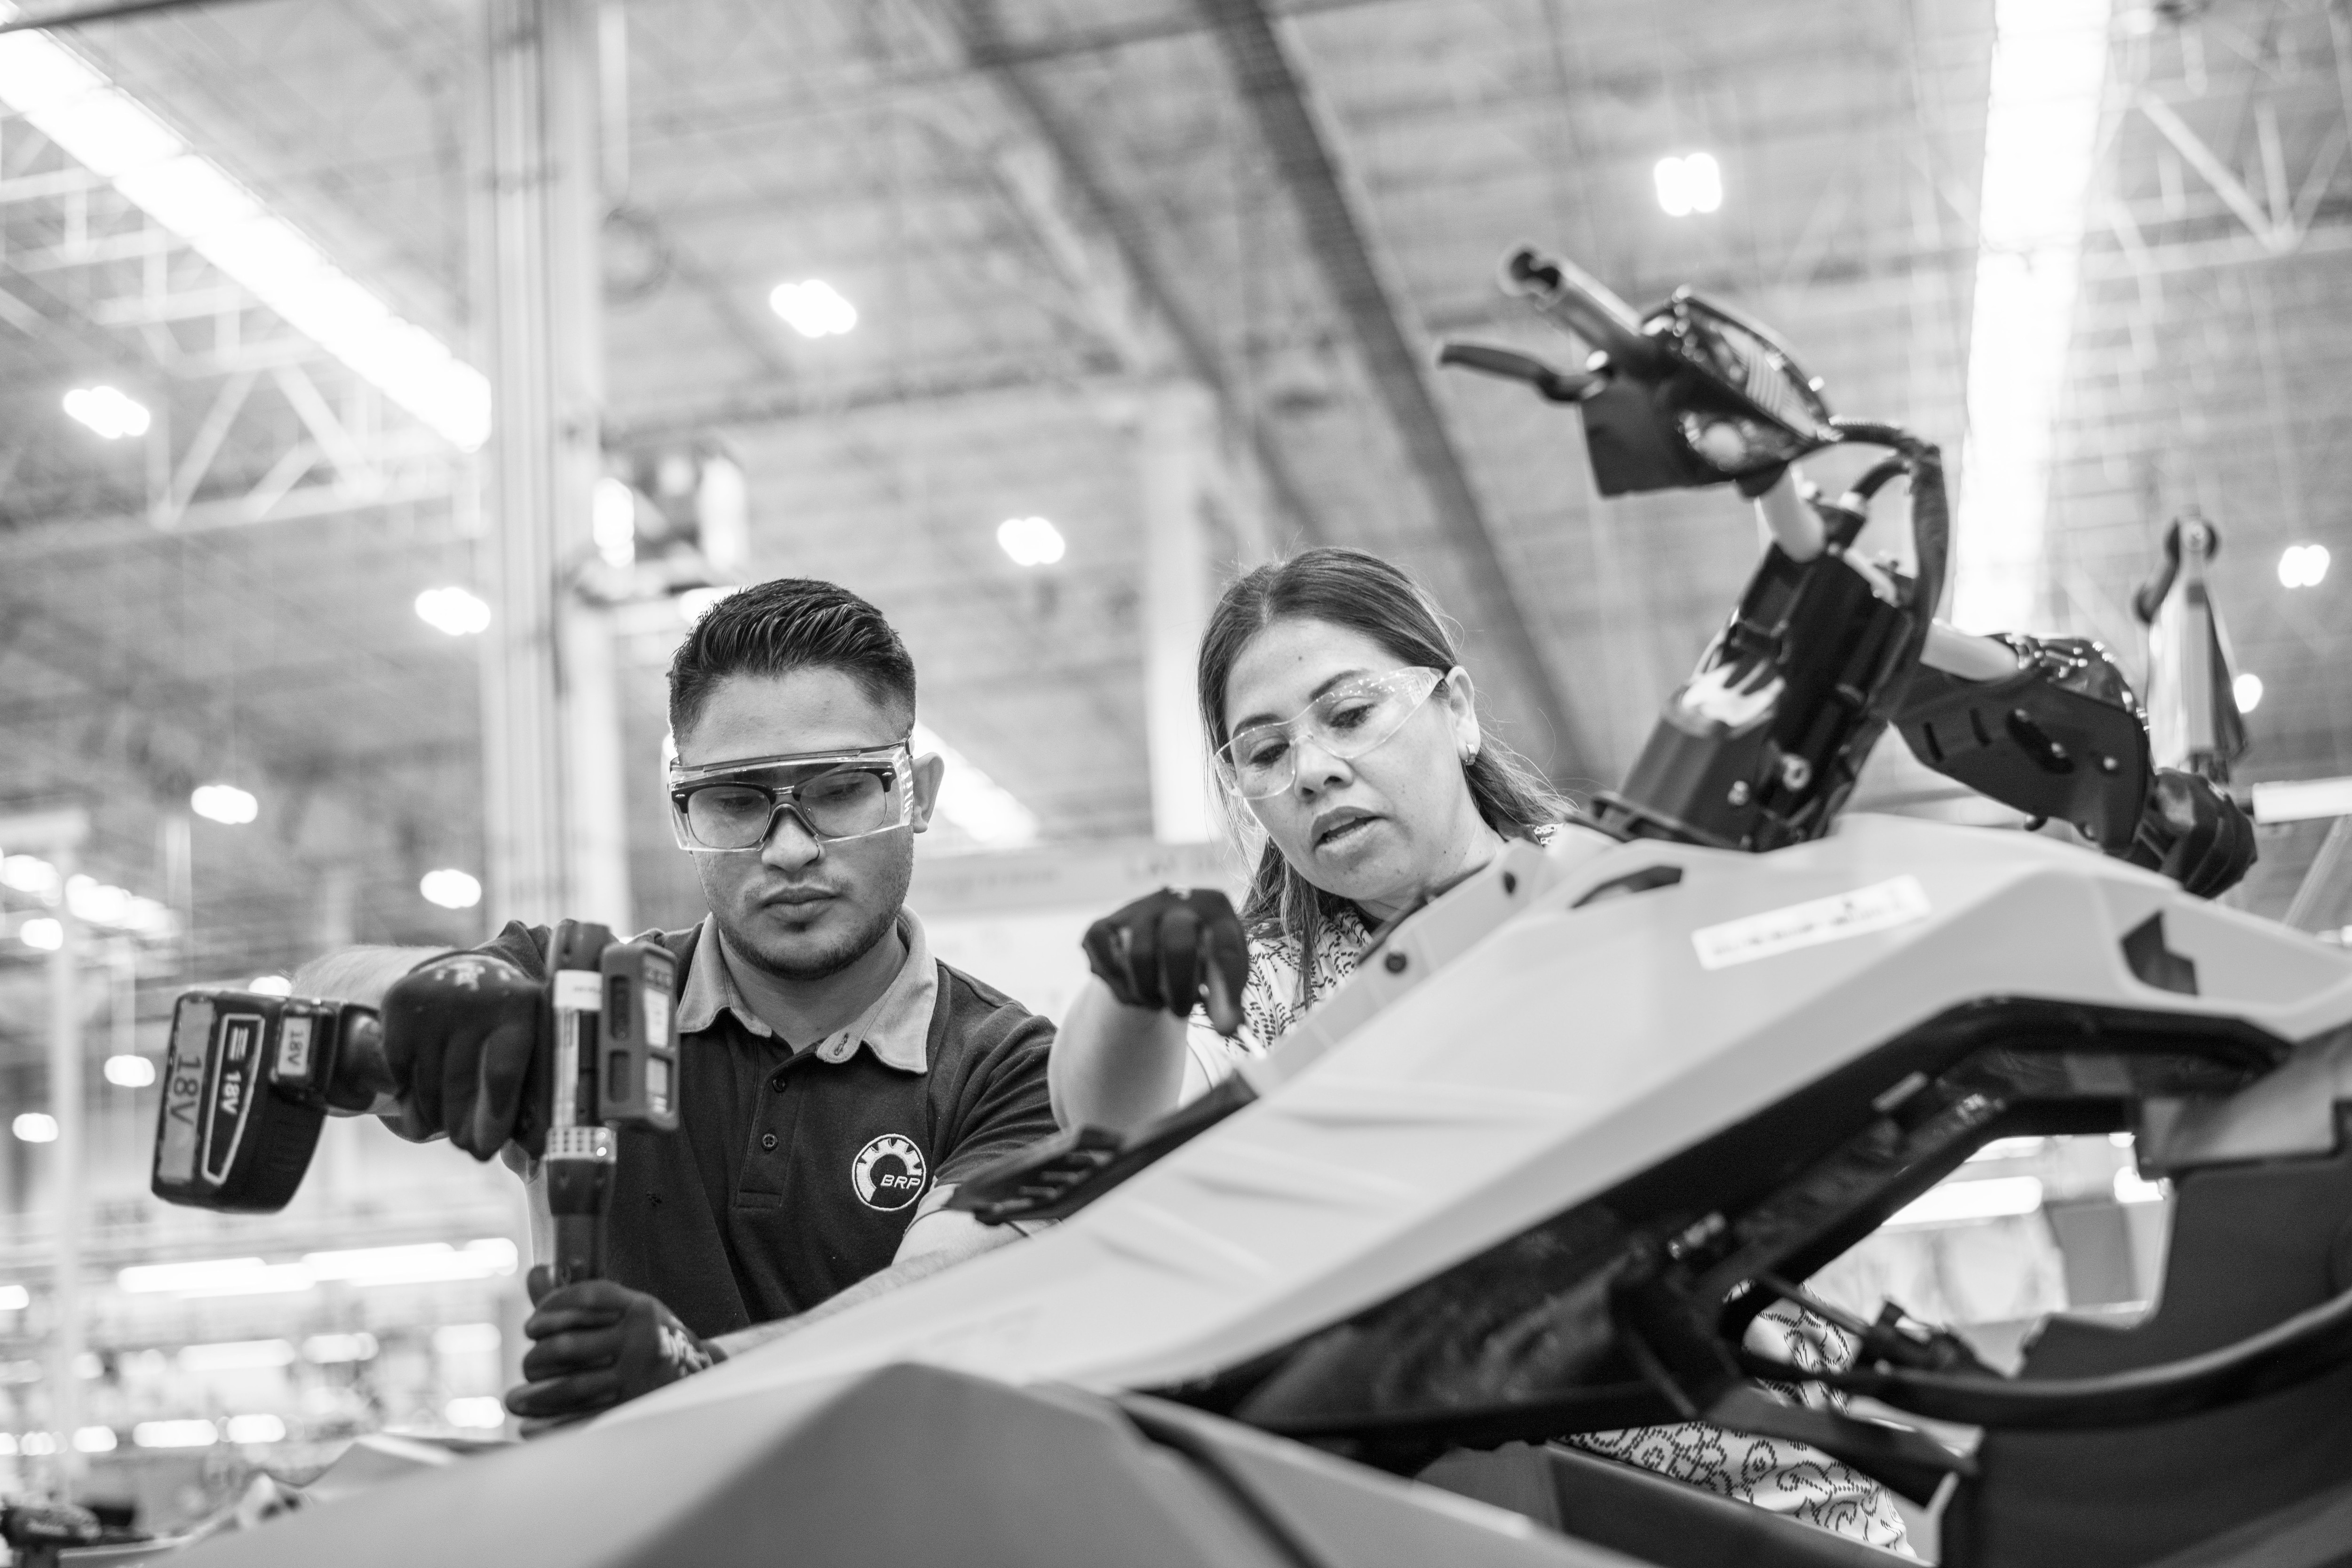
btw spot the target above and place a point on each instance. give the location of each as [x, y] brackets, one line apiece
[1346, 721]
[833, 796]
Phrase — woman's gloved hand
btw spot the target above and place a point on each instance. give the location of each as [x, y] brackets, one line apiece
[597, 1345]
[2193, 833]
[1174, 950]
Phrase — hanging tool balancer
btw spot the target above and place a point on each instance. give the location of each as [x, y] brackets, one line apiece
[251, 1078]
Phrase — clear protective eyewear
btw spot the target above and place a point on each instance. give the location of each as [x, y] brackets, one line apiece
[1351, 719]
[734, 806]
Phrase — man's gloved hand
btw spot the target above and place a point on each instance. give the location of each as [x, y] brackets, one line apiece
[597, 1345]
[461, 1036]
[2193, 833]
[1174, 949]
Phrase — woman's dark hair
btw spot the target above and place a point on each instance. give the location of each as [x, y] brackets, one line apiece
[776, 627]
[1358, 590]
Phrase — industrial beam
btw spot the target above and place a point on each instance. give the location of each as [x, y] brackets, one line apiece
[1103, 252]
[1340, 239]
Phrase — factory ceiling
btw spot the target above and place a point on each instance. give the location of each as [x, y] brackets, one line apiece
[1045, 211]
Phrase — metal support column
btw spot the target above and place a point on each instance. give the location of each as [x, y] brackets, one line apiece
[59, 836]
[554, 837]
[1178, 433]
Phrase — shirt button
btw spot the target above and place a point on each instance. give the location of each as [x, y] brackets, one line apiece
[767, 1141]
[778, 1082]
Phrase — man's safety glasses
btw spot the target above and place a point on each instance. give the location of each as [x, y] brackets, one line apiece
[833, 795]
[1346, 721]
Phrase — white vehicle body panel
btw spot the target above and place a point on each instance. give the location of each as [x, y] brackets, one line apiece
[1520, 1063]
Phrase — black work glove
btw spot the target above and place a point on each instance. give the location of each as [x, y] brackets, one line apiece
[1174, 949]
[2194, 834]
[597, 1345]
[461, 1036]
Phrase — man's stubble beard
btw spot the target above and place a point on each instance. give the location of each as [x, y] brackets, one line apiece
[804, 968]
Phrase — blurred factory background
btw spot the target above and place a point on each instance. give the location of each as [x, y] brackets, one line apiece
[385, 385]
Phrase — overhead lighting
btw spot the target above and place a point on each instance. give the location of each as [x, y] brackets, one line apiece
[173, 1434]
[236, 1355]
[35, 1127]
[334, 1349]
[130, 1071]
[225, 803]
[2303, 800]
[94, 1440]
[418, 1265]
[1689, 184]
[108, 411]
[1955, 1202]
[422, 1264]
[613, 521]
[973, 801]
[100, 903]
[2303, 565]
[814, 308]
[1030, 540]
[14, 1298]
[260, 1427]
[465, 1339]
[2049, 69]
[27, 874]
[270, 985]
[2248, 689]
[117, 139]
[452, 611]
[481, 1410]
[42, 933]
[450, 889]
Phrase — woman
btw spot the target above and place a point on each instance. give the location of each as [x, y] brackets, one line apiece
[1345, 734]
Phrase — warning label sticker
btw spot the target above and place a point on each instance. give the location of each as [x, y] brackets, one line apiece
[1879, 906]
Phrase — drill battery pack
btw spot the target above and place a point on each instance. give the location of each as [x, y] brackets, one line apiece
[245, 1094]
[637, 1080]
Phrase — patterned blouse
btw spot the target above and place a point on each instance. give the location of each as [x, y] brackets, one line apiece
[1790, 1479]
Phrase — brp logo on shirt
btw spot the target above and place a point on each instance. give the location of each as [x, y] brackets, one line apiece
[888, 1173]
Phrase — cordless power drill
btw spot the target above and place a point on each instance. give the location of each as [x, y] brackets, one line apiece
[250, 1079]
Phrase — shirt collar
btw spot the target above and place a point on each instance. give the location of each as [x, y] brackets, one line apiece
[897, 1029]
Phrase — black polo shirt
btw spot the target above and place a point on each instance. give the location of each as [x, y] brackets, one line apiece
[794, 1172]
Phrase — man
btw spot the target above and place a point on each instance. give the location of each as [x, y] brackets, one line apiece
[836, 1082]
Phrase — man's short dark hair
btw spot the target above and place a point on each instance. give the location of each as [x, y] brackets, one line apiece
[774, 629]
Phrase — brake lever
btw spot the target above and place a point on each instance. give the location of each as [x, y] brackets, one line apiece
[1554, 384]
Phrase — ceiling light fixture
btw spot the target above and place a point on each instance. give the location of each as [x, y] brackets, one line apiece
[100, 903]
[190, 1434]
[613, 521]
[2049, 69]
[2303, 565]
[224, 803]
[2248, 689]
[453, 612]
[1031, 541]
[108, 410]
[814, 308]
[117, 139]
[450, 889]
[1693, 183]
[36, 1127]
[42, 934]
[128, 1071]
[14, 1298]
